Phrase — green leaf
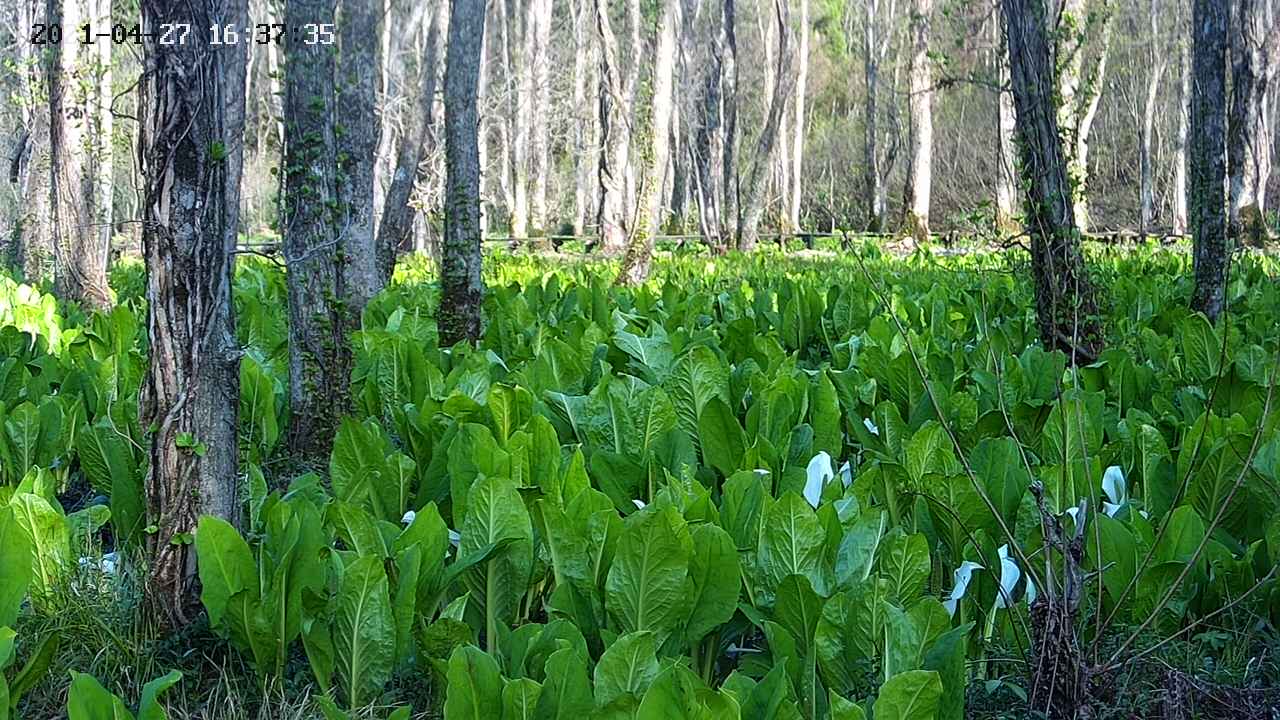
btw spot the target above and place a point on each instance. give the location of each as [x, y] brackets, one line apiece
[946, 656]
[566, 694]
[647, 586]
[15, 566]
[520, 699]
[629, 666]
[88, 700]
[496, 514]
[149, 707]
[1201, 348]
[364, 630]
[791, 541]
[722, 437]
[475, 686]
[904, 562]
[912, 695]
[716, 580]
[225, 564]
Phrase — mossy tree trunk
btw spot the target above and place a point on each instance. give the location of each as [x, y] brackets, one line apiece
[1208, 155]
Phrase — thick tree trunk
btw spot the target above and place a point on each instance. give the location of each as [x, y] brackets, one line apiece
[80, 259]
[396, 230]
[1065, 306]
[1006, 144]
[1255, 58]
[390, 72]
[29, 170]
[462, 293]
[656, 143]
[1207, 157]
[1180, 141]
[193, 107]
[1080, 91]
[920, 175]
[584, 140]
[784, 85]
[319, 354]
[359, 75]
[1146, 174]
[797, 141]
[707, 151]
[614, 141]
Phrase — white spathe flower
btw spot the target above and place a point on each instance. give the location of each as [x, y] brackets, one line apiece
[817, 475]
[871, 427]
[1009, 576]
[454, 538]
[762, 473]
[639, 504]
[105, 565]
[962, 576]
[409, 517]
[846, 474]
[1113, 485]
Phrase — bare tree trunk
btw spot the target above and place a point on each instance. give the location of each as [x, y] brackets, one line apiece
[731, 219]
[193, 104]
[99, 125]
[1255, 57]
[396, 229]
[784, 85]
[29, 168]
[1080, 92]
[359, 67]
[797, 142]
[539, 45]
[383, 166]
[584, 140]
[613, 138]
[1180, 140]
[461, 289]
[1065, 306]
[656, 144]
[1006, 146]
[319, 354]
[871, 111]
[708, 148]
[920, 176]
[521, 118]
[631, 90]
[1146, 173]
[80, 262]
[1208, 161]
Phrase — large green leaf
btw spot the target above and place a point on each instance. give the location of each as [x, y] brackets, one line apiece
[629, 666]
[716, 579]
[496, 514]
[648, 584]
[225, 564]
[15, 566]
[723, 441]
[912, 695]
[791, 542]
[475, 686]
[364, 635]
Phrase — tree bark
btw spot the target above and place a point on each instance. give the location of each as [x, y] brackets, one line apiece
[708, 148]
[1180, 139]
[656, 145]
[1146, 174]
[193, 104]
[730, 183]
[538, 44]
[614, 109]
[920, 175]
[584, 141]
[359, 76]
[461, 290]
[1208, 159]
[396, 229]
[99, 125]
[797, 142]
[32, 241]
[1080, 91]
[1255, 57]
[319, 354]
[80, 259]
[1006, 145]
[784, 85]
[1065, 306]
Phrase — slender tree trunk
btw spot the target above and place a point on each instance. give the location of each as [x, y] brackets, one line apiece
[797, 142]
[784, 85]
[80, 261]
[539, 45]
[1208, 160]
[1180, 140]
[461, 289]
[1146, 174]
[631, 91]
[29, 168]
[319, 354]
[584, 140]
[1006, 144]
[1065, 306]
[1080, 92]
[872, 176]
[656, 143]
[1255, 57]
[396, 229]
[920, 176]
[731, 219]
[708, 147]
[383, 165]
[358, 71]
[613, 138]
[193, 105]
[99, 126]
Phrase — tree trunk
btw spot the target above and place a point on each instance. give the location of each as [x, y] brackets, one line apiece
[1006, 146]
[656, 144]
[730, 183]
[920, 175]
[1080, 92]
[1180, 140]
[80, 260]
[1146, 174]
[708, 150]
[359, 75]
[1065, 306]
[193, 105]
[797, 142]
[875, 42]
[99, 125]
[584, 140]
[29, 170]
[784, 84]
[1207, 158]
[1255, 57]
[396, 230]
[613, 138]
[319, 354]
[538, 42]
[383, 166]
[461, 290]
